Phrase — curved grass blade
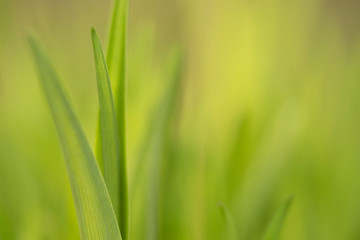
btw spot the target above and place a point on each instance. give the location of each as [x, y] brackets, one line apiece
[116, 62]
[109, 128]
[96, 217]
[274, 228]
[231, 232]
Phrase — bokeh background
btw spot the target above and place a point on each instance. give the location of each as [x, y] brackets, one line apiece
[267, 106]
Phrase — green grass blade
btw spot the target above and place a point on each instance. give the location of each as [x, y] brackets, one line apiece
[96, 217]
[116, 52]
[116, 62]
[109, 128]
[98, 146]
[162, 114]
[274, 228]
[162, 164]
[231, 232]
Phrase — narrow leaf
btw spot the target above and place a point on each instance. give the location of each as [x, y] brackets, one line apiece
[109, 128]
[94, 211]
[162, 115]
[116, 62]
[116, 52]
[274, 228]
[160, 172]
[231, 232]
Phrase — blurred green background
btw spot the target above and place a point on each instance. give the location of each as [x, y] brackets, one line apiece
[267, 106]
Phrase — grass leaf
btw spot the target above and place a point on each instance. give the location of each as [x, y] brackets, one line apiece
[109, 128]
[231, 232]
[116, 62]
[161, 163]
[163, 113]
[274, 228]
[116, 52]
[96, 217]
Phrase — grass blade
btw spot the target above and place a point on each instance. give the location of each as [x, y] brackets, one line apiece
[274, 228]
[109, 128]
[162, 114]
[116, 52]
[231, 232]
[162, 164]
[116, 62]
[96, 217]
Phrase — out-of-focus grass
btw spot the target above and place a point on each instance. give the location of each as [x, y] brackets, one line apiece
[269, 107]
[273, 230]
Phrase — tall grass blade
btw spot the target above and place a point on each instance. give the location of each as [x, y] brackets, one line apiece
[109, 128]
[162, 114]
[231, 232]
[274, 228]
[162, 164]
[94, 211]
[116, 52]
[116, 62]
[265, 168]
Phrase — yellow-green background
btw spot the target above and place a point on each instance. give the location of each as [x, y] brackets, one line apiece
[269, 107]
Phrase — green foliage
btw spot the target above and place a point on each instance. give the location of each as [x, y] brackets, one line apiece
[231, 232]
[96, 217]
[264, 103]
[109, 127]
[116, 62]
[274, 228]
